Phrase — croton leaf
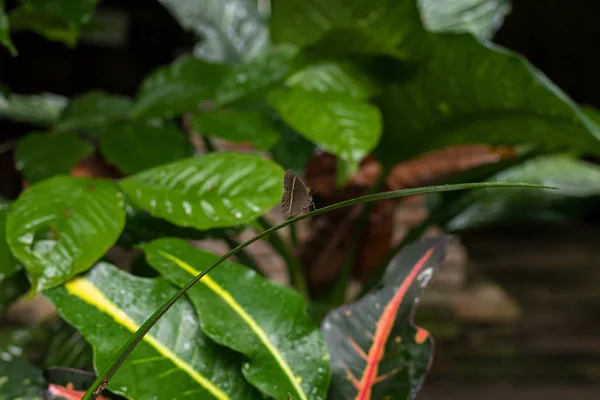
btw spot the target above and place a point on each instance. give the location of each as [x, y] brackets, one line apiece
[264, 320]
[238, 126]
[43, 108]
[253, 77]
[93, 110]
[231, 30]
[175, 359]
[85, 217]
[177, 88]
[576, 179]
[343, 126]
[39, 156]
[212, 191]
[5, 31]
[470, 93]
[337, 77]
[480, 17]
[20, 380]
[134, 147]
[376, 351]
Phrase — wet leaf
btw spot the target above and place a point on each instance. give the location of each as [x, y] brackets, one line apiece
[43, 108]
[230, 30]
[177, 88]
[238, 126]
[173, 360]
[348, 128]
[85, 217]
[20, 380]
[94, 109]
[255, 76]
[480, 17]
[262, 319]
[376, 351]
[39, 156]
[134, 147]
[212, 191]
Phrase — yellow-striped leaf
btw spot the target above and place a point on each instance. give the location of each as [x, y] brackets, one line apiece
[175, 360]
[262, 319]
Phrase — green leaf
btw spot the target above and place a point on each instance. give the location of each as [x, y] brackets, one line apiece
[480, 17]
[177, 88]
[238, 126]
[86, 217]
[8, 263]
[174, 360]
[75, 11]
[292, 151]
[20, 380]
[231, 30]
[264, 320]
[94, 109]
[43, 108]
[376, 350]
[134, 147]
[575, 179]
[212, 191]
[53, 28]
[345, 127]
[334, 77]
[5, 31]
[255, 76]
[471, 93]
[39, 156]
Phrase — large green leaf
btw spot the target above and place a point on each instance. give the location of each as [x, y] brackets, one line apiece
[174, 360]
[39, 156]
[20, 380]
[75, 11]
[177, 88]
[230, 30]
[264, 320]
[85, 216]
[343, 126]
[238, 126]
[576, 179]
[212, 191]
[253, 77]
[470, 93]
[8, 263]
[94, 109]
[376, 350]
[337, 77]
[43, 108]
[480, 17]
[134, 147]
[5, 31]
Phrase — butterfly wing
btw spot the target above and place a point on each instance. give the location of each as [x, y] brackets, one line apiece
[296, 198]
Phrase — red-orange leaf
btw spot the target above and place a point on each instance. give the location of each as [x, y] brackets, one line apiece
[376, 351]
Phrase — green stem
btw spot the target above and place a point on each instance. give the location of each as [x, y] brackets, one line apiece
[111, 368]
[242, 255]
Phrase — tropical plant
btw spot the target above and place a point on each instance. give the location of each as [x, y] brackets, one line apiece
[390, 80]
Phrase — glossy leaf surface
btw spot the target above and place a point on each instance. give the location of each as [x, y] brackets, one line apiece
[345, 127]
[93, 110]
[253, 77]
[262, 319]
[174, 360]
[470, 93]
[39, 156]
[43, 108]
[177, 88]
[480, 17]
[20, 380]
[230, 30]
[212, 191]
[134, 147]
[85, 217]
[238, 126]
[376, 351]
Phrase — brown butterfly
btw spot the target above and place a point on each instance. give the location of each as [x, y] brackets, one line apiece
[296, 198]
